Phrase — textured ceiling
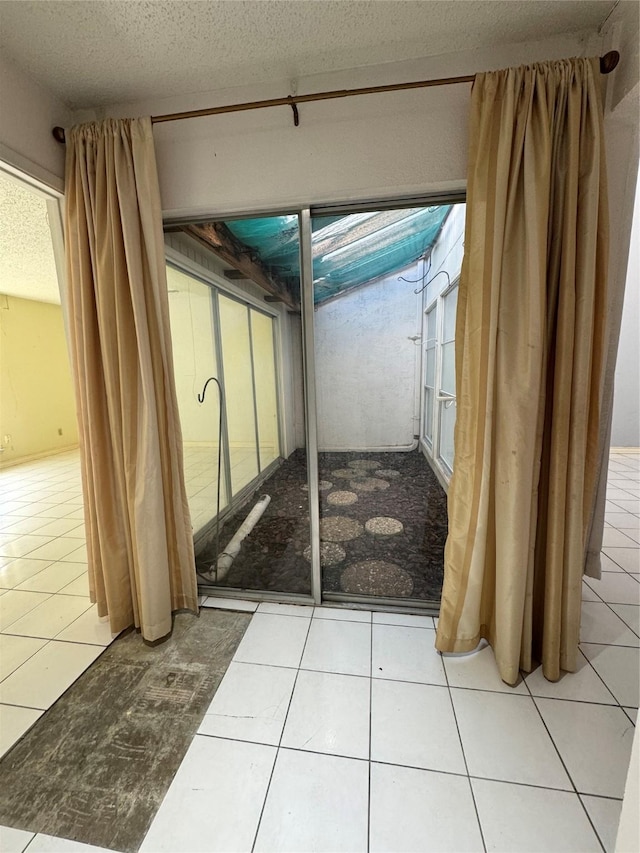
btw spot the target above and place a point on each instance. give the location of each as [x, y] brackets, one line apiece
[27, 266]
[97, 52]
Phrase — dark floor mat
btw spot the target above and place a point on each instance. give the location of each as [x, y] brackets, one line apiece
[400, 486]
[96, 766]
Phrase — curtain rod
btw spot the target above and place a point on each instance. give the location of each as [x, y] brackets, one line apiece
[607, 63]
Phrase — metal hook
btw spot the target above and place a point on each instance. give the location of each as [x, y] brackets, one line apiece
[427, 283]
[294, 107]
[220, 419]
[204, 390]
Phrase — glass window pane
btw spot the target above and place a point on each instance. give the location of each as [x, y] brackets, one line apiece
[432, 316]
[450, 305]
[194, 360]
[448, 379]
[264, 368]
[428, 415]
[238, 384]
[430, 367]
[447, 424]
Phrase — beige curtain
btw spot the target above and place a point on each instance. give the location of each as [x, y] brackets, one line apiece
[530, 347]
[139, 540]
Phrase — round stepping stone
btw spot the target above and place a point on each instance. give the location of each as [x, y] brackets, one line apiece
[339, 528]
[369, 484]
[323, 486]
[387, 473]
[344, 474]
[364, 464]
[342, 498]
[382, 525]
[376, 577]
[330, 553]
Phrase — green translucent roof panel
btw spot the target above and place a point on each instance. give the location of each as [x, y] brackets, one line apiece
[348, 251]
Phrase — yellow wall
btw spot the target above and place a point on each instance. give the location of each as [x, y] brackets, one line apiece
[36, 391]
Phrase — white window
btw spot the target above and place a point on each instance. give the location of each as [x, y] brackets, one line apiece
[446, 398]
[439, 394]
[429, 363]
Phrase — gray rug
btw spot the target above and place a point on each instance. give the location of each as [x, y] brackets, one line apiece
[97, 764]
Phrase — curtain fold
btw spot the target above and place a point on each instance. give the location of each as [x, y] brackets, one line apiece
[530, 353]
[139, 538]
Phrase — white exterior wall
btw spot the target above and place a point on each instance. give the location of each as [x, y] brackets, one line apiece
[367, 366]
[446, 255]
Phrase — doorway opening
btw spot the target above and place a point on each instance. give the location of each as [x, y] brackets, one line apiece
[343, 435]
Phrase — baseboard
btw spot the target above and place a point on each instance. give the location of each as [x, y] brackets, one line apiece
[32, 457]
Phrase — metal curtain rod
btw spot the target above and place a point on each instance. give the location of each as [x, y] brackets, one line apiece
[607, 63]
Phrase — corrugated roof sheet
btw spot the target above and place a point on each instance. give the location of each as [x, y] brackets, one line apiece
[348, 251]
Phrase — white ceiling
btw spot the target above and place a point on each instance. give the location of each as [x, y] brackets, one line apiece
[27, 266]
[92, 53]
[97, 52]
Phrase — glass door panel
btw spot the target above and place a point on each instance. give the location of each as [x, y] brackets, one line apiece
[447, 425]
[261, 541]
[239, 392]
[264, 371]
[195, 361]
[383, 518]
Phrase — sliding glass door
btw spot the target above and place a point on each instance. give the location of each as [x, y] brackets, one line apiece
[383, 520]
[245, 335]
[363, 517]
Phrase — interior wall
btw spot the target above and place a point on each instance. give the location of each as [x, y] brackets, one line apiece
[194, 356]
[37, 405]
[183, 251]
[446, 255]
[625, 429]
[366, 366]
[352, 149]
[29, 112]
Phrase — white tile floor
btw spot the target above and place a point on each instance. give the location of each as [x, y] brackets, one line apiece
[344, 730]
[49, 630]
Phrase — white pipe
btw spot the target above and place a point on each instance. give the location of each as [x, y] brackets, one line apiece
[233, 548]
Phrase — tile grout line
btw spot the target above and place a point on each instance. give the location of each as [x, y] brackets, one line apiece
[442, 686]
[623, 622]
[464, 755]
[601, 679]
[279, 744]
[370, 738]
[25, 707]
[566, 769]
[413, 767]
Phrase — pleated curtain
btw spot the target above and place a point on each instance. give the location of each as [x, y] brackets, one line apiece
[530, 352]
[139, 537]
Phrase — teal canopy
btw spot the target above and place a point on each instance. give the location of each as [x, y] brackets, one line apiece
[348, 251]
